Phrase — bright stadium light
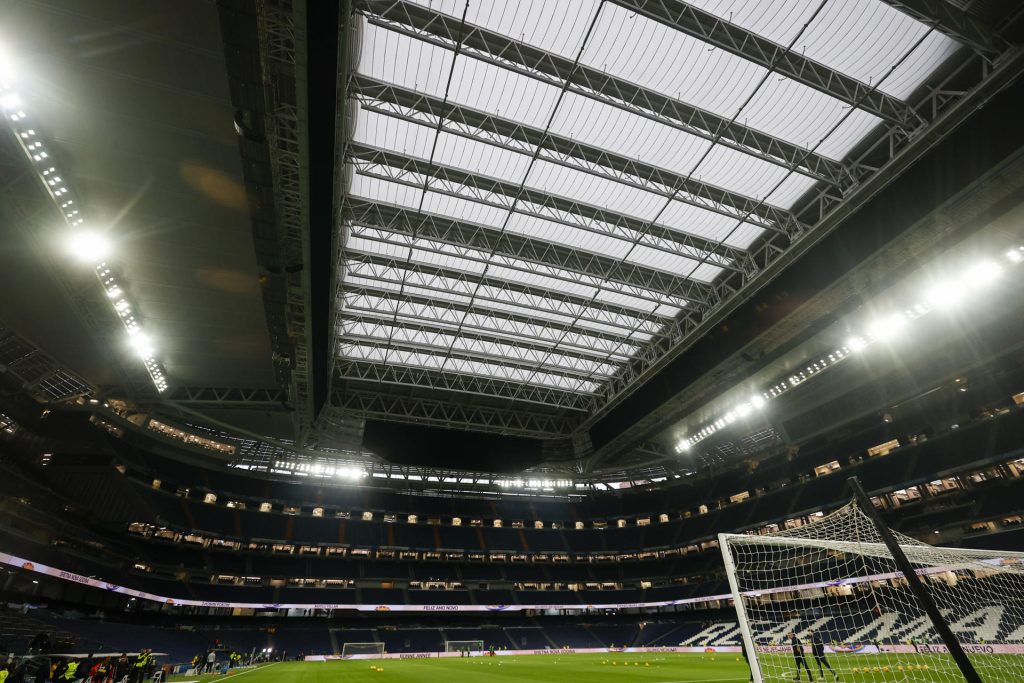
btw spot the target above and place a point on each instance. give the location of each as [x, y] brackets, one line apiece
[856, 343]
[982, 274]
[10, 101]
[142, 345]
[6, 68]
[944, 295]
[886, 327]
[88, 246]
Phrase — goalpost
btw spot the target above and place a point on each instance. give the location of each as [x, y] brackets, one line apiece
[839, 586]
[350, 649]
[463, 645]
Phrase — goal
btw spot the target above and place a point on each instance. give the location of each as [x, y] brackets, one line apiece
[827, 599]
[463, 645]
[371, 649]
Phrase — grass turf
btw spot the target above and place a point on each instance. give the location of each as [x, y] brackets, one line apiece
[618, 667]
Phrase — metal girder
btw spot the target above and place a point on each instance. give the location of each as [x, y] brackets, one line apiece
[949, 19]
[518, 328]
[365, 302]
[281, 38]
[347, 369]
[475, 256]
[491, 240]
[499, 194]
[530, 348]
[441, 413]
[424, 110]
[220, 397]
[366, 331]
[447, 32]
[366, 295]
[41, 376]
[446, 281]
[752, 47]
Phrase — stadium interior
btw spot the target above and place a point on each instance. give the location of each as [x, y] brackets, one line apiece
[459, 326]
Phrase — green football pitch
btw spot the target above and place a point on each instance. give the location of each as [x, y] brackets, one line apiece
[647, 668]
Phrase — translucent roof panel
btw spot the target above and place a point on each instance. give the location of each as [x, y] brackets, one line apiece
[500, 219]
[476, 262]
[652, 142]
[597, 180]
[425, 339]
[554, 26]
[396, 311]
[492, 297]
[443, 363]
[584, 320]
[864, 39]
[416, 141]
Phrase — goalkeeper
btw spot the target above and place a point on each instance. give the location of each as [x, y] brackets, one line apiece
[798, 656]
[818, 650]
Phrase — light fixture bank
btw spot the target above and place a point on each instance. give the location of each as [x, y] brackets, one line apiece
[84, 243]
[944, 294]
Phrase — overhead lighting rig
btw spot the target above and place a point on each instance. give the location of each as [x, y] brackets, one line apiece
[946, 294]
[85, 244]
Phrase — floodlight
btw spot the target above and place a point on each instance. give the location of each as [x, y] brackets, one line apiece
[10, 101]
[88, 246]
[141, 344]
[6, 67]
[757, 400]
[856, 343]
[1016, 255]
[982, 273]
[887, 326]
[944, 294]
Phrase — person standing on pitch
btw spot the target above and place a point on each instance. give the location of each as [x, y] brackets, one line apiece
[818, 650]
[798, 656]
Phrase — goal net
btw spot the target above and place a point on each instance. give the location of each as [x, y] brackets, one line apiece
[352, 649]
[826, 600]
[463, 646]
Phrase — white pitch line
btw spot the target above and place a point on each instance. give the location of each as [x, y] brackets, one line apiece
[258, 668]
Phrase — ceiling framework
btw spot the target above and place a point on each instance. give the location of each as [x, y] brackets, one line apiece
[438, 412]
[281, 39]
[40, 375]
[533, 216]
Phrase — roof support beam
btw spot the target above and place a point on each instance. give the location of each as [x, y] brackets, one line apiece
[349, 369]
[424, 110]
[610, 328]
[360, 325]
[949, 19]
[432, 340]
[500, 194]
[491, 240]
[220, 397]
[493, 48]
[570, 279]
[366, 298]
[513, 421]
[444, 280]
[714, 30]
